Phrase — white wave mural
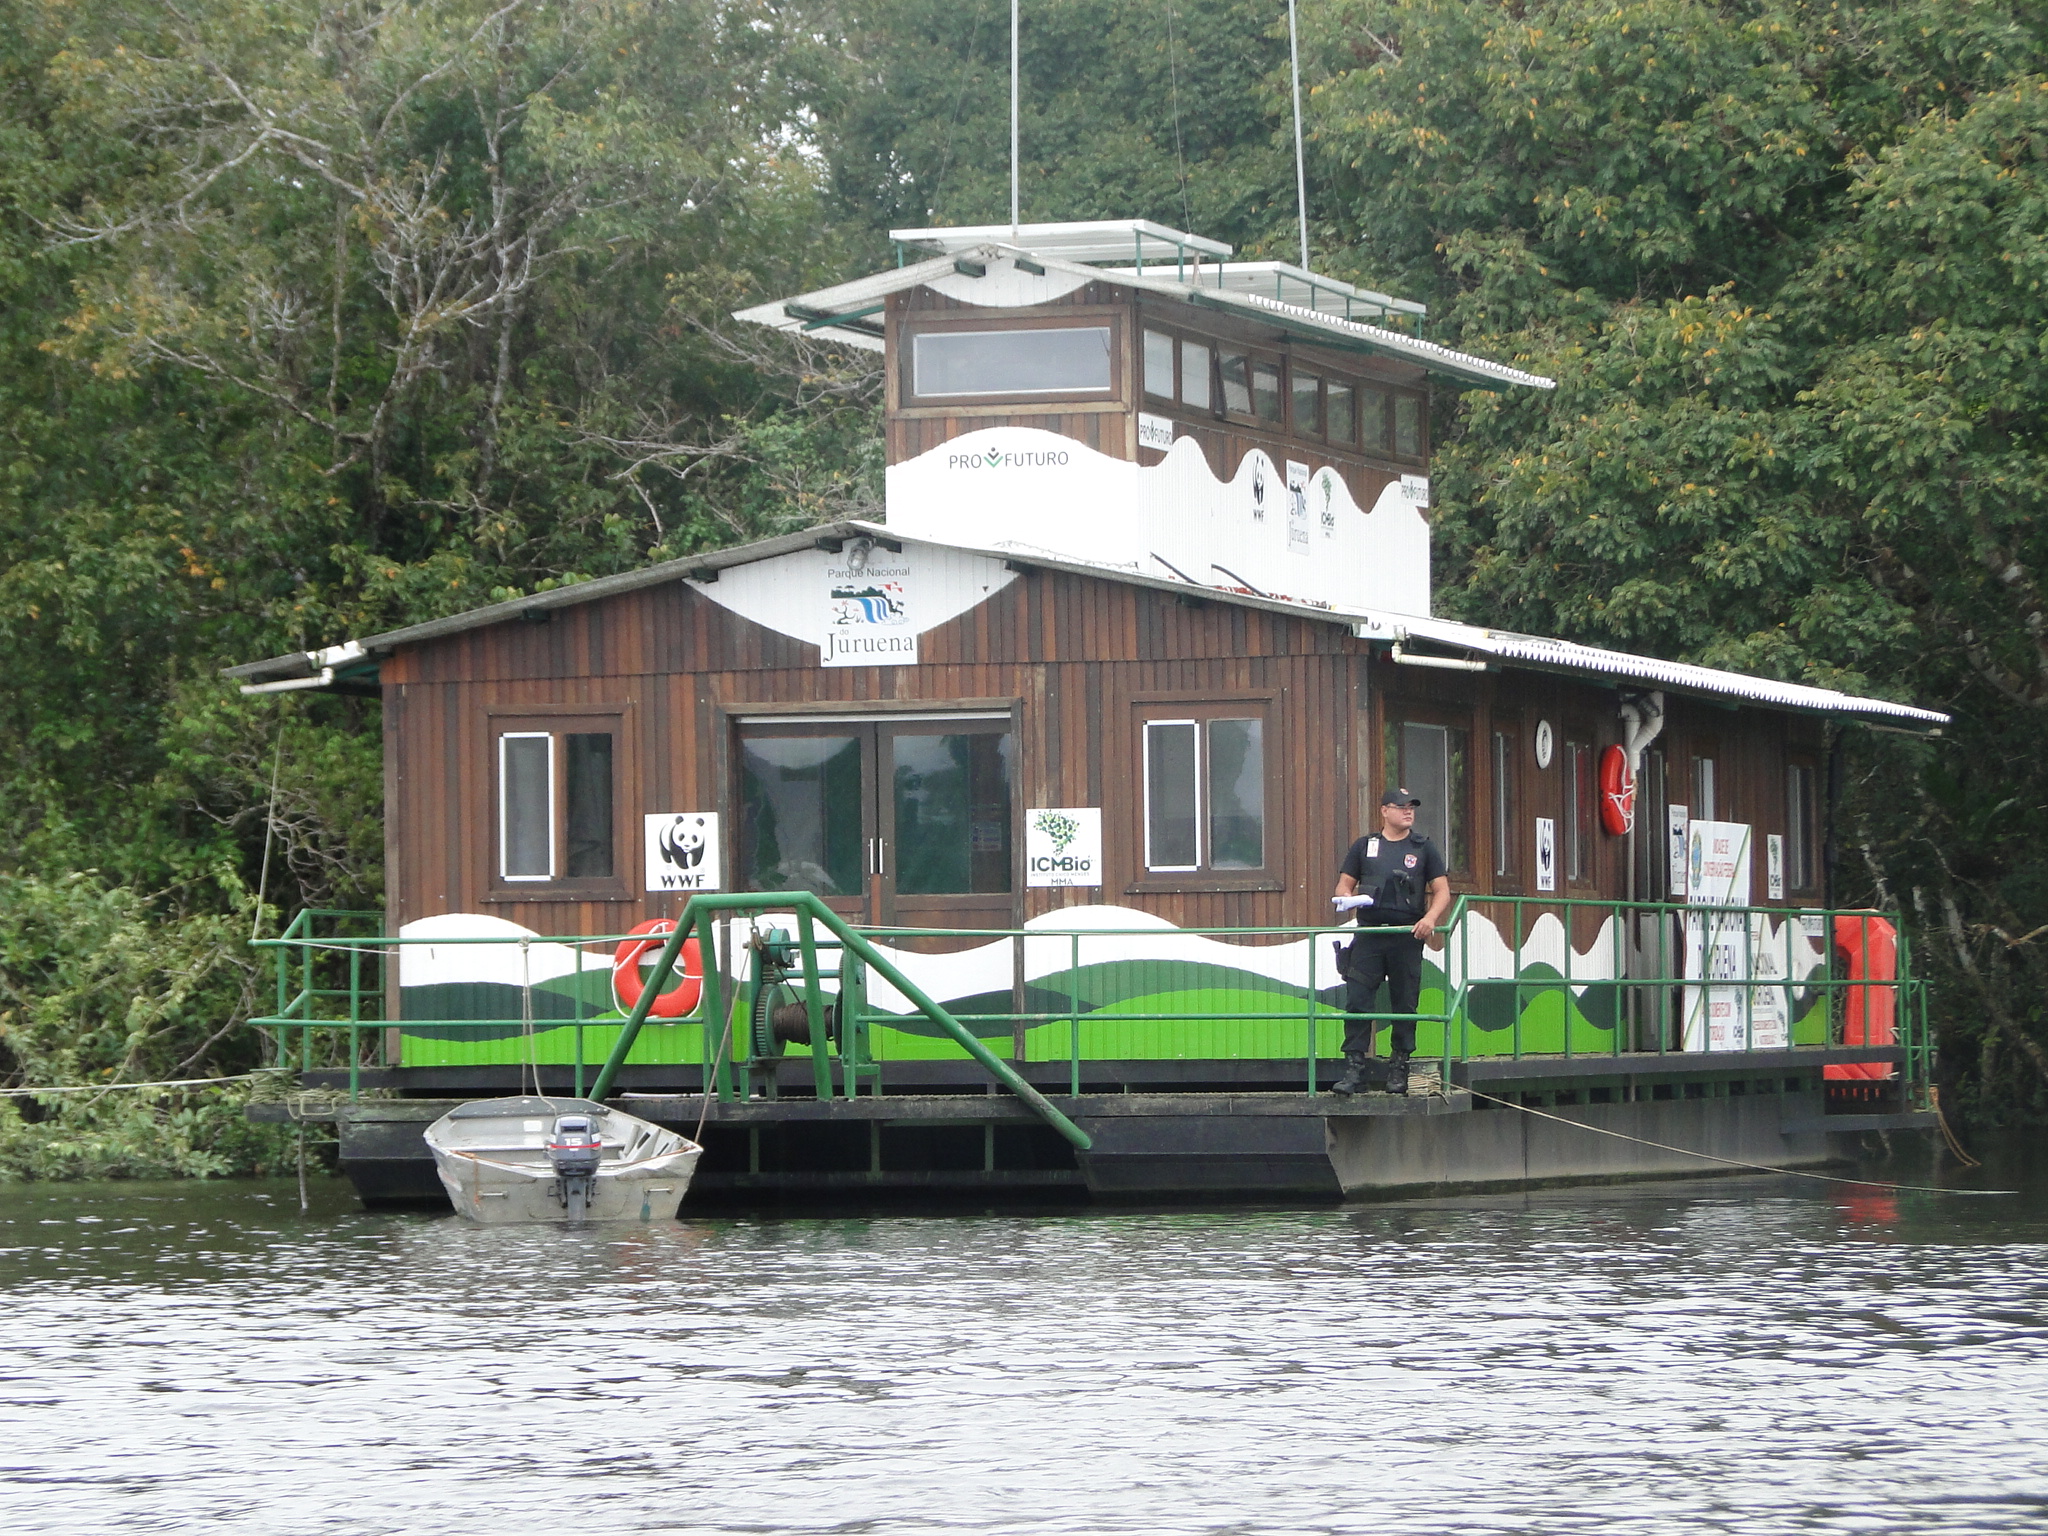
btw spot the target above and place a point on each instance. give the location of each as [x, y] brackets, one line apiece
[1072, 939]
[1288, 530]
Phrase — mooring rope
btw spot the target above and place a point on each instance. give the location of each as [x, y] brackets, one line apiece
[1735, 1162]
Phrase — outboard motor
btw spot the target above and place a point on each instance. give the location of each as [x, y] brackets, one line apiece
[574, 1150]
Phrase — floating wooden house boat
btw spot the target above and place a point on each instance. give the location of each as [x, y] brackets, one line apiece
[1076, 734]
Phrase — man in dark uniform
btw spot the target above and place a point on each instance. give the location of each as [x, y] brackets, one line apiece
[1399, 887]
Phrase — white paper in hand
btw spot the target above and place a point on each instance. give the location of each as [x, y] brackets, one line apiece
[1350, 903]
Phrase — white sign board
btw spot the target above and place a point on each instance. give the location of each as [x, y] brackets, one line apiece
[1727, 949]
[1415, 490]
[867, 614]
[1063, 846]
[1297, 508]
[1774, 867]
[682, 851]
[1676, 819]
[1155, 432]
[1546, 854]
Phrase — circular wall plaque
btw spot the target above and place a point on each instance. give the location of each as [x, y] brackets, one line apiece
[1546, 743]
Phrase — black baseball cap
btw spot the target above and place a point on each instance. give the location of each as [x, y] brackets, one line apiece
[1399, 797]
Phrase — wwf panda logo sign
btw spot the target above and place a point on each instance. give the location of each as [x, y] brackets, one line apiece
[683, 851]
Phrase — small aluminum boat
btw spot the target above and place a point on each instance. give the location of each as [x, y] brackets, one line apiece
[560, 1160]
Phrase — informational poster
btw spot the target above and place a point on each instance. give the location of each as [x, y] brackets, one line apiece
[1728, 949]
[1546, 854]
[1774, 867]
[682, 851]
[1297, 508]
[867, 612]
[1676, 819]
[1063, 846]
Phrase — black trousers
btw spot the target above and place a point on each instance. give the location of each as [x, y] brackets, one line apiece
[1392, 956]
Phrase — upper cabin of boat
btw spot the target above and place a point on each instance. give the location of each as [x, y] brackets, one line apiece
[1125, 394]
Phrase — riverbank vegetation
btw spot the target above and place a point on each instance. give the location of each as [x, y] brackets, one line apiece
[321, 318]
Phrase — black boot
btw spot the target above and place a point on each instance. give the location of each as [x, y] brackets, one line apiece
[1397, 1075]
[1353, 1080]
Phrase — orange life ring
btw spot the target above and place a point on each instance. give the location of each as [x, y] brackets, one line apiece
[628, 983]
[1869, 945]
[1617, 792]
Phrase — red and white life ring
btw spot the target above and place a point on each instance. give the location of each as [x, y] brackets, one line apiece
[1617, 792]
[628, 983]
[1869, 947]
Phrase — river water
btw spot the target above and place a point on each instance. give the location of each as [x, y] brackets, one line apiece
[1745, 1356]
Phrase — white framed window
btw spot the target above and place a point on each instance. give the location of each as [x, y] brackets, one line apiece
[556, 800]
[526, 805]
[1044, 360]
[1205, 794]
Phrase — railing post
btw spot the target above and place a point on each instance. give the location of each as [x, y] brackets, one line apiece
[814, 1010]
[355, 1019]
[1312, 1017]
[1074, 1015]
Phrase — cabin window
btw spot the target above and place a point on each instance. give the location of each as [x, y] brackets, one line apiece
[1194, 375]
[1506, 755]
[1308, 404]
[1408, 426]
[1042, 360]
[1372, 419]
[526, 805]
[1236, 372]
[588, 803]
[557, 803]
[1431, 762]
[1703, 806]
[1339, 414]
[1802, 866]
[1581, 792]
[1205, 791]
[1159, 364]
[1266, 401]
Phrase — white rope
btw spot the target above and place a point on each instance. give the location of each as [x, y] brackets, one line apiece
[1735, 1162]
[174, 1082]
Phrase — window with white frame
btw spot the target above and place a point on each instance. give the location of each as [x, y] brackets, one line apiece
[557, 802]
[1205, 790]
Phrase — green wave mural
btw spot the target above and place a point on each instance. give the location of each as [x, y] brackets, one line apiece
[1189, 998]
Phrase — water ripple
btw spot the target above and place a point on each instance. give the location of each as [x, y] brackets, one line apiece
[1736, 1357]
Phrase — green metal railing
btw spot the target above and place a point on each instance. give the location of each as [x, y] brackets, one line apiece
[332, 980]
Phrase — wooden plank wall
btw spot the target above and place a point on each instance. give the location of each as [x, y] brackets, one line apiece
[1077, 654]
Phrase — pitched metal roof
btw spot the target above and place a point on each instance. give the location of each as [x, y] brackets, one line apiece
[1494, 646]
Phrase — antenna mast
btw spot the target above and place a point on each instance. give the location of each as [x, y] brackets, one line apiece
[1013, 118]
[1300, 167]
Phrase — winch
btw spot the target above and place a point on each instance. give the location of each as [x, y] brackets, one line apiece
[574, 1148]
